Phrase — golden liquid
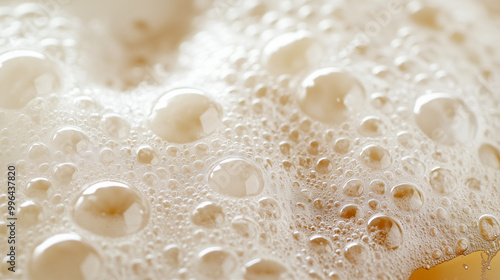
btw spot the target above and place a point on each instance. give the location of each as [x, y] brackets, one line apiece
[461, 268]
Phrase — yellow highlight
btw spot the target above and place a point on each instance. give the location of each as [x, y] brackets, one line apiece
[456, 269]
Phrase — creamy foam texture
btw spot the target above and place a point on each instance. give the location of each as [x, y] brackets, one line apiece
[250, 140]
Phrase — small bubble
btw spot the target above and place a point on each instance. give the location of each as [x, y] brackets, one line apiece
[328, 94]
[385, 231]
[413, 166]
[407, 197]
[353, 187]
[146, 155]
[324, 166]
[489, 227]
[350, 211]
[489, 156]
[39, 152]
[269, 208]
[442, 181]
[290, 53]
[405, 139]
[285, 148]
[171, 253]
[320, 244]
[371, 126]
[110, 208]
[115, 126]
[70, 140]
[259, 269]
[473, 184]
[425, 16]
[236, 177]
[342, 146]
[38, 187]
[64, 173]
[377, 186]
[376, 157]
[208, 215]
[382, 103]
[437, 254]
[106, 156]
[245, 227]
[29, 213]
[216, 263]
[355, 253]
[185, 115]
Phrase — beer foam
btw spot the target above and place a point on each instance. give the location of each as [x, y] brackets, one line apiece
[262, 140]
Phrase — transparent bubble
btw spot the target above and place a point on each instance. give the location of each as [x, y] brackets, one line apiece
[371, 126]
[64, 173]
[185, 115]
[329, 93]
[65, 256]
[377, 186]
[115, 126]
[473, 184]
[245, 227]
[236, 177]
[462, 245]
[269, 208]
[70, 140]
[355, 253]
[38, 187]
[442, 180]
[110, 208]
[208, 215]
[106, 156]
[382, 102]
[24, 75]
[407, 197]
[350, 211]
[437, 254]
[353, 187]
[216, 263]
[425, 16]
[324, 166]
[290, 53]
[39, 152]
[445, 118]
[147, 155]
[413, 166]
[386, 231]
[342, 145]
[260, 269]
[320, 244]
[171, 253]
[489, 227]
[376, 157]
[489, 156]
[29, 213]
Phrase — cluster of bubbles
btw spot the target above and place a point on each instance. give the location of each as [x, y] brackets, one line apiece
[297, 159]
